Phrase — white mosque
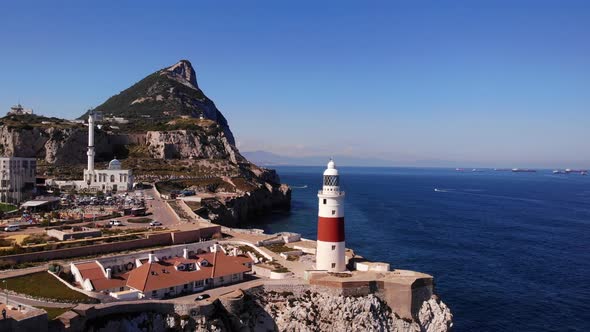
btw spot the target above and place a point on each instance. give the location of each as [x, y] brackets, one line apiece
[112, 179]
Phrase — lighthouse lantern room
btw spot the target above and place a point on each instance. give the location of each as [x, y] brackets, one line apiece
[330, 250]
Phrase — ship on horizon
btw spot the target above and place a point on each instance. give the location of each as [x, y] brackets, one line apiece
[570, 171]
[523, 170]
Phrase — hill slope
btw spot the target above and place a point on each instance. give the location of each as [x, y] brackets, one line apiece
[164, 95]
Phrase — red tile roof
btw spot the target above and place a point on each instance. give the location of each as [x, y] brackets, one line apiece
[95, 273]
[163, 274]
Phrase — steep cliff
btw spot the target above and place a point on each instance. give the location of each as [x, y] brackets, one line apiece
[284, 312]
[237, 210]
[57, 141]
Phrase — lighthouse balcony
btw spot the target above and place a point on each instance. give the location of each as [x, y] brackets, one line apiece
[331, 193]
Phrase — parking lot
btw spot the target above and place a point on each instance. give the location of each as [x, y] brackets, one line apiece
[137, 209]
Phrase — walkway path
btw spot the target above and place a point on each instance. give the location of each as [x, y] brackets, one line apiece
[19, 272]
[15, 300]
[217, 292]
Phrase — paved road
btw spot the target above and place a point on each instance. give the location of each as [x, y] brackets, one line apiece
[216, 292]
[160, 210]
[15, 300]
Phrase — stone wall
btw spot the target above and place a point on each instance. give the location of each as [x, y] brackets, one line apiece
[83, 316]
[159, 239]
[195, 235]
[36, 321]
[68, 235]
[402, 299]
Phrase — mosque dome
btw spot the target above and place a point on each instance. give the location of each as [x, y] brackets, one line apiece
[115, 164]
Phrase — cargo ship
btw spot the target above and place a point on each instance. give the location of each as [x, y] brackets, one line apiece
[570, 171]
[580, 171]
[523, 170]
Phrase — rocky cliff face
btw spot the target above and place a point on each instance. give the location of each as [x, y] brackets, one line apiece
[238, 210]
[186, 144]
[68, 144]
[56, 145]
[284, 312]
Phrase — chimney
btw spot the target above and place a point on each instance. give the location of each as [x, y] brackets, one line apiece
[151, 258]
[185, 253]
[214, 265]
[109, 274]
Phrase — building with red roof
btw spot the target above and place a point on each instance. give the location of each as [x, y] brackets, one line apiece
[171, 276]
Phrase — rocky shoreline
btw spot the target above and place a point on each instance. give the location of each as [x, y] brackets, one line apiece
[256, 310]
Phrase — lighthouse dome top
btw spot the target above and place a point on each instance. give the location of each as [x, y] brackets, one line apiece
[331, 169]
[115, 164]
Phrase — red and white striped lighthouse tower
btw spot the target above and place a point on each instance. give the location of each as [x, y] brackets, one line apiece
[330, 244]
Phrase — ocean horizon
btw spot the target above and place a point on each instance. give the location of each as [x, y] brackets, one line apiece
[508, 251]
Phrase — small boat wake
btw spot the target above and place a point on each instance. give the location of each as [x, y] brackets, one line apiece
[299, 187]
[479, 192]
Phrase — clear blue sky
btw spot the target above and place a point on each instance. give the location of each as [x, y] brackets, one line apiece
[498, 83]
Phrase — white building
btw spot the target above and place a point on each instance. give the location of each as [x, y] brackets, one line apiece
[17, 179]
[111, 179]
[19, 110]
[330, 252]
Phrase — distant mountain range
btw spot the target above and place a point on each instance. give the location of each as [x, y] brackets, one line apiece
[272, 159]
[266, 158]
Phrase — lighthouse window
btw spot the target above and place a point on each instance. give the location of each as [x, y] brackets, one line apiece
[325, 201]
[333, 212]
[333, 265]
[330, 180]
[333, 247]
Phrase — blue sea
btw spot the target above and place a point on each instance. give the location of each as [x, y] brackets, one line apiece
[509, 251]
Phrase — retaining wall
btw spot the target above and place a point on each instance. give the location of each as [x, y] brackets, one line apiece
[158, 239]
[244, 243]
[32, 323]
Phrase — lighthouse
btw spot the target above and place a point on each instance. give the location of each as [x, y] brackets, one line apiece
[330, 245]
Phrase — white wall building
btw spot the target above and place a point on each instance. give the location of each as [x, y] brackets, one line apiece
[19, 110]
[111, 179]
[17, 179]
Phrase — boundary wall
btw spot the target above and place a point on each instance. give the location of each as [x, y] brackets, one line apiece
[158, 239]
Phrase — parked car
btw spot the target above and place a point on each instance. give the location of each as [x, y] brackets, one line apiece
[115, 223]
[155, 223]
[11, 228]
[202, 297]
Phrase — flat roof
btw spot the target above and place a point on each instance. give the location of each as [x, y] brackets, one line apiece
[34, 203]
[39, 202]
